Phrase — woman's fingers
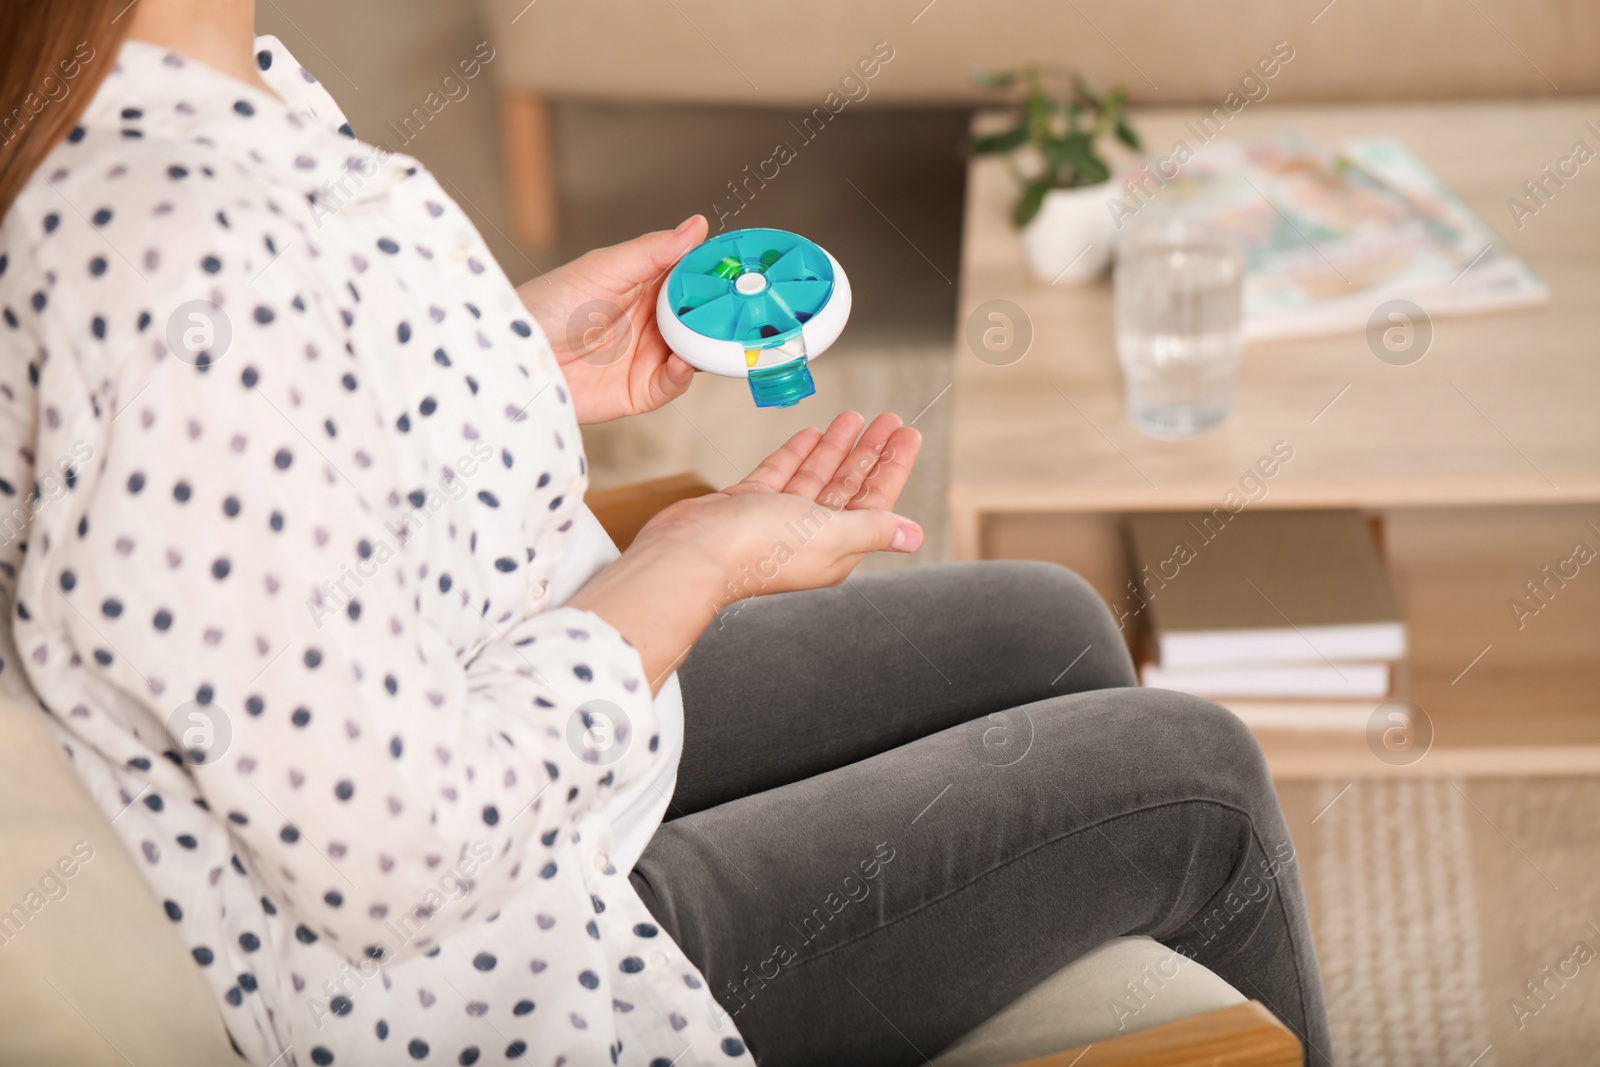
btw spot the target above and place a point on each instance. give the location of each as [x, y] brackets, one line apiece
[819, 467]
[669, 380]
[839, 471]
[887, 480]
[775, 471]
[858, 466]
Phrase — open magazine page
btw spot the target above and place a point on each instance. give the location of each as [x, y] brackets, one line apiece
[1329, 235]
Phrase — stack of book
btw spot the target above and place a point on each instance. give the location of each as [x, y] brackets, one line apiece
[1285, 617]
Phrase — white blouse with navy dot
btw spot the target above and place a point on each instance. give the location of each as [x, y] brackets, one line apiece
[288, 476]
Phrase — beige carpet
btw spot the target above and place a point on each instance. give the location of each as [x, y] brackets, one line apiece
[1435, 902]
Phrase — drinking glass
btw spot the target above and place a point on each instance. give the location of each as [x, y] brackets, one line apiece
[1179, 306]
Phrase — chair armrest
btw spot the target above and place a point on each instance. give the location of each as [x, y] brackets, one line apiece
[624, 510]
[1245, 1035]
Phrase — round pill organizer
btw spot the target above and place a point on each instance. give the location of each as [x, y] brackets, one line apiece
[757, 304]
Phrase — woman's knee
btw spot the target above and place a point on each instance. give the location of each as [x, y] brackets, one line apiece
[1191, 739]
[1054, 614]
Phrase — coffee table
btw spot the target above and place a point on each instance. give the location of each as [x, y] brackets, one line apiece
[1481, 460]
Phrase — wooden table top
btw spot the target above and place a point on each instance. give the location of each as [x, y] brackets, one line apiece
[1504, 408]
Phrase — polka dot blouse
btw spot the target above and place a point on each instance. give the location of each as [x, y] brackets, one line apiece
[286, 470]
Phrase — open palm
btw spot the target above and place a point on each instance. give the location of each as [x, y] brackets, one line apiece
[808, 513]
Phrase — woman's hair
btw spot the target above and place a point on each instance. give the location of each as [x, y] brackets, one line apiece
[53, 54]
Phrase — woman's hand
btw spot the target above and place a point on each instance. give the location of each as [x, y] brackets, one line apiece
[599, 313]
[808, 514]
[801, 520]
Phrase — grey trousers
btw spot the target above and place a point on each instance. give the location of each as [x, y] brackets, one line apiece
[906, 801]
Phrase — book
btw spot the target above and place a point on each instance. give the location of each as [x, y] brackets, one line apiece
[1316, 715]
[1311, 716]
[1331, 234]
[1254, 588]
[1283, 681]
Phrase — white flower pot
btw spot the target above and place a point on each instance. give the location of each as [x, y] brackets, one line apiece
[1070, 240]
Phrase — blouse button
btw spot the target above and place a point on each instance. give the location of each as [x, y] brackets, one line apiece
[601, 861]
[658, 959]
[538, 589]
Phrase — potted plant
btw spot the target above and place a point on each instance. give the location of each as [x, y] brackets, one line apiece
[1063, 211]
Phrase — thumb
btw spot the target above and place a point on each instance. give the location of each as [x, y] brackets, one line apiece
[662, 248]
[876, 530]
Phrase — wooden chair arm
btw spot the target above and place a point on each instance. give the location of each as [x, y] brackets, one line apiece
[623, 510]
[1245, 1035]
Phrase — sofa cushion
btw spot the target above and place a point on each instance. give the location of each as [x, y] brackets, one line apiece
[1125, 985]
[91, 971]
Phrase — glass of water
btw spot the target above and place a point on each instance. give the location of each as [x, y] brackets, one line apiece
[1179, 305]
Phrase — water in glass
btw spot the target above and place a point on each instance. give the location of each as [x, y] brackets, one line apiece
[1178, 304]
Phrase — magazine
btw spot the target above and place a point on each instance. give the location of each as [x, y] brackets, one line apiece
[1331, 234]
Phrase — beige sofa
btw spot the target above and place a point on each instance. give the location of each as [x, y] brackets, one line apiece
[793, 55]
[91, 972]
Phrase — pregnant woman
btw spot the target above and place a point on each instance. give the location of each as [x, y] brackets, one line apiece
[420, 768]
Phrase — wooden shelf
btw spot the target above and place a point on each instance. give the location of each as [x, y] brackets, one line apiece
[1483, 457]
[1502, 700]
[1530, 703]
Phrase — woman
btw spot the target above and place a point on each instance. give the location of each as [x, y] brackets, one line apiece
[305, 580]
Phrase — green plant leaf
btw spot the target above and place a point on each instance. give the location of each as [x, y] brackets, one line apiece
[1039, 109]
[1032, 199]
[1094, 170]
[1007, 141]
[1070, 150]
[1086, 94]
[1078, 165]
[1127, 135]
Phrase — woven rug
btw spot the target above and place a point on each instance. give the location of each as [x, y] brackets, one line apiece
[1457, 922]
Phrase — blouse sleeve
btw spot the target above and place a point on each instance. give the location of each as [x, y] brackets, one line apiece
[230, 549]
